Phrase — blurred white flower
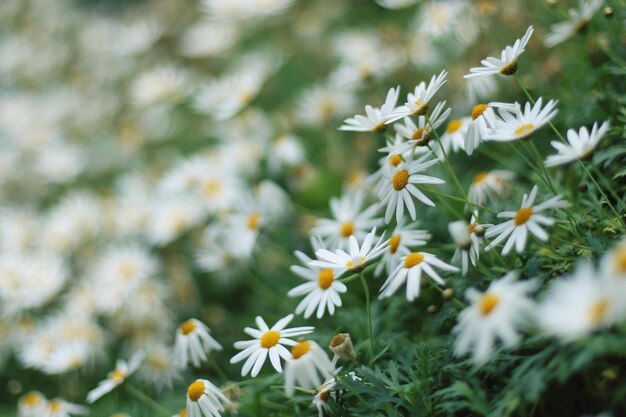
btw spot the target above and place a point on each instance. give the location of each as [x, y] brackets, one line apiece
[122, 371]
[580, 145]
[307, 366]
[495, 314]
[579, 19]
[507, 64]
[193, 342]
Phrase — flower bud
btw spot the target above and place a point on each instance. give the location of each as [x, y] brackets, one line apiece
[341, 345]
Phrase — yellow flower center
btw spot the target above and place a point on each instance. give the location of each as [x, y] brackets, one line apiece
[480, 177]
[598, 310]
[182, 413]
[400, 179]
[187, 327]
[325, 278]
[350, 264]
[210, 188]
[509, 69]
[300, 349]
[270, 339]
[478, 110]
[418, 133]
[32, 398]
[395, 160]
[157, 360]
[524, 130]
[55, 406]
[253, 221]
[454, 125]
[379, 127]
[522, 215]
[346, 229]
[195, 390]
[413, 259]
[325, 395]
[394, 243]
[471, 227]
[620, 258]
[117, 376]
[487, 303]
[127, 269]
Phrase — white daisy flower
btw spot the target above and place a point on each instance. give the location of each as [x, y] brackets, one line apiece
[349, 218]
[576, 306]
[163, 84]
[410, 271]
[62, 408]
[159, 368]
[403, 238]
[482, 123]
[579, 19]
[489, 186]
[307, 366]
[613, 269]
[267, 342]
[354, 260]
[520, 124]
[205, 399]
[322, 290]
[321, 104]
[417, 102]
[453, 140]
[375, 118]
[399, 187]
[581, 145]
[326, 391]
[116, 377]
[494, 314]
[419, 135]
[467, 238]
[193, 341]
[32, 404]
[396, 4]
[507, 64]
[526, 219]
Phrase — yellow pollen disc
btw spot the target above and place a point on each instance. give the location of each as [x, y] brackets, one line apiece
[487, 303]
[478, 110]
[471, 227]
[350, 263]
[253, 221]
[270, 339]
[157, 361]
[418, 102]
[395, 160]
[480, 177]
[346, 229]
[509, 69]
[55, 406]
[300, 349]
[522, 215]
[210, 188]
[195, 390]
[454, 125]
[187, 327]
[325, 395]
[379, 127]
[598, 310]
[325, 278]
[418, 133]
[524, 130]
[400, 179]
[620, 258]
[32, 398]
[127, 269]
[117, 375]
[413, 259]
[394, 242]
[182, 413]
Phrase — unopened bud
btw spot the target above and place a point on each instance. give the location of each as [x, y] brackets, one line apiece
[447, 294]
[341, 345]
[431, 309]
[608, 11]
[479, 230]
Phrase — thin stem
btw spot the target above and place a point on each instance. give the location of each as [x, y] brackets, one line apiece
[141, 396]
[369, 318]
[455, 300]
[453, 197]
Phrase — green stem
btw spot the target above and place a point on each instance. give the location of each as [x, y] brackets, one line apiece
[455, 300]
[141, 396]
[369, 318]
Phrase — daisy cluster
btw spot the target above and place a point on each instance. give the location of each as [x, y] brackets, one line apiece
[165, 172]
